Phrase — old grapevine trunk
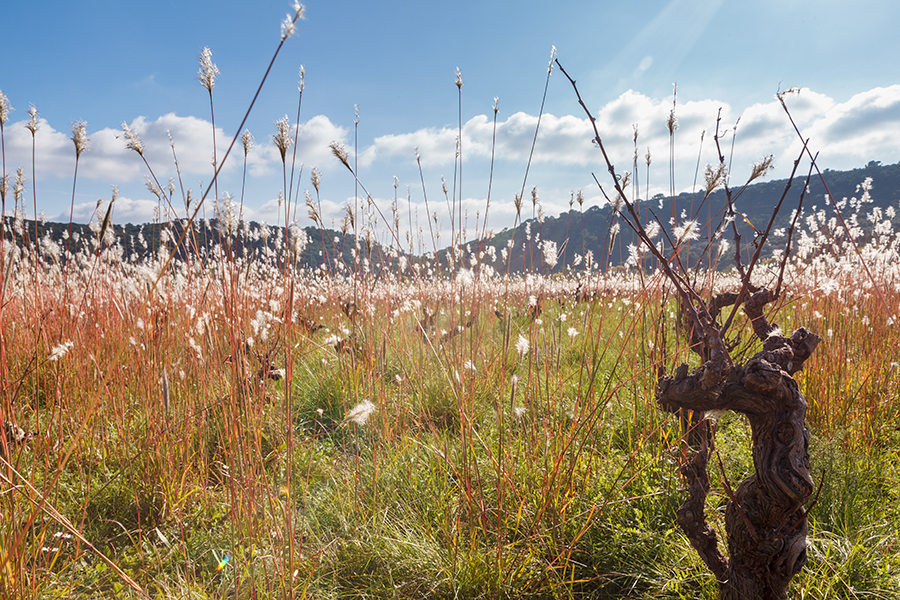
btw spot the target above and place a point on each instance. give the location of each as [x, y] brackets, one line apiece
[765, 520]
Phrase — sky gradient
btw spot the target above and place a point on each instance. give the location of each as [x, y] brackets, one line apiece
[108, 62]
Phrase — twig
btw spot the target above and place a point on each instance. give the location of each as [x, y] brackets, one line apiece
[734, 500]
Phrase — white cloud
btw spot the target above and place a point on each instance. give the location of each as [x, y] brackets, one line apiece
[863, 128]
[846, 135]
[125, 210]
[107, 158]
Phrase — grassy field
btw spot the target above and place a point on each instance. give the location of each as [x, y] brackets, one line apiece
[244, 431]
[223, 427]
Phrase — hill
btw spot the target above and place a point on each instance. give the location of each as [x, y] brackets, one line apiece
[578, 236]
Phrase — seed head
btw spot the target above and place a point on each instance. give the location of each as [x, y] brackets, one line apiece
[208, 70]
[302, 78]
[341, 153]
[360, 413]
[80, 138]
[522, 346]
[459, 81]
[714, 177]
[19, 188]
[282, 137]
[59, 351]
[247, 141]
[311, 207]
[33, 124]
[760, 168]
[289, 25]
[5, 107]
[687, 232]
[316, 178]
[133, 141]
[672, 122]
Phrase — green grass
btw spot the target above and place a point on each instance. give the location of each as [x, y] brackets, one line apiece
[449, 489]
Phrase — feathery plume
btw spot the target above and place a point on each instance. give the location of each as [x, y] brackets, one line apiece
[208, 70]
[341, 153]
[687, 232]
[5, 107]
[32, 125]
[360, 413]
[760, 168]
[715, 177]
[80, 138]
[289, 25]
[522, 345]
[247, 141]
[282, 137]
[59, 351]
[133, 141]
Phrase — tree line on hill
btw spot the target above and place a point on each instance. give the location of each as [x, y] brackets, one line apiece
[574, 239]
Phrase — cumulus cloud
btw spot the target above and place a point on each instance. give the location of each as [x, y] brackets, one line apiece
[107, 158]
[863, 128]
[125, 210]
[845, 134]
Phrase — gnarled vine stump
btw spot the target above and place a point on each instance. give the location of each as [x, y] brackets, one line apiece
[765, 520]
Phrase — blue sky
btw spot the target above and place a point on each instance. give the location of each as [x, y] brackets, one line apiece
[108, 62]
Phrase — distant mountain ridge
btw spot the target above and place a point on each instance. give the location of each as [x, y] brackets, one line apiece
[575, 233]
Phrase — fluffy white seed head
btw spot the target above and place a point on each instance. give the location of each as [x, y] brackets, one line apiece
[32, 125]
[132, 140]
[289, 25]
[282, 137]
[247, 141]
[208, 70]
[80, 138]
[5, 107]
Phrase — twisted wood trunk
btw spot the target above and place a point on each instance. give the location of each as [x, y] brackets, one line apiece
[765, 520]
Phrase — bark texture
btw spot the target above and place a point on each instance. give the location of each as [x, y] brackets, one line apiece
[765, 521]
